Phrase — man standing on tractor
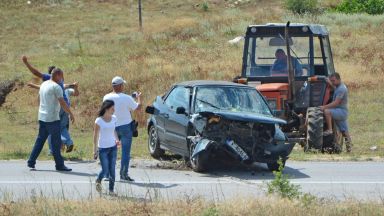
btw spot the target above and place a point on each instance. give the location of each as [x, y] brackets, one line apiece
[337, 109]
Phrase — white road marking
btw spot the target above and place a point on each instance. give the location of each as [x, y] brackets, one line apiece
[133, 183]
[226, 181]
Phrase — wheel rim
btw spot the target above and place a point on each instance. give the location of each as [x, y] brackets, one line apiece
[153, 140]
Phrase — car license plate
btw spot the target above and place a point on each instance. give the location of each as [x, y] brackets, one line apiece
[237, 149]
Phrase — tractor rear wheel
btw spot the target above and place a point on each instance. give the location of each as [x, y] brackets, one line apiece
[315, 124]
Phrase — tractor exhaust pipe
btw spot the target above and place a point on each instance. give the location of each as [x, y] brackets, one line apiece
[291, 73]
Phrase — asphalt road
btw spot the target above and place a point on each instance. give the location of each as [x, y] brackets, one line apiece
[340, 180]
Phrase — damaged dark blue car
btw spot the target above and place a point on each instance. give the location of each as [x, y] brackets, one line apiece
[203, 120]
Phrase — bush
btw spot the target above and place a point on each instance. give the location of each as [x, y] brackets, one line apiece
[361, 6]
[302, 6]
[281, 185]
[205, 6]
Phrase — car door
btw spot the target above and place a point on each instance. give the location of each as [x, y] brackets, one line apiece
[176, 124]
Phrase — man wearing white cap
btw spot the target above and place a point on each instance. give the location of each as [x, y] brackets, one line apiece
[124, 104]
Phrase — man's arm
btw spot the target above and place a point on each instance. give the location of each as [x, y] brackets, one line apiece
[76, 88]
[138, 101]
[33, 70]
[334, 104]
[34, 86]
[298, 68]
[65, 107]
[330, 83]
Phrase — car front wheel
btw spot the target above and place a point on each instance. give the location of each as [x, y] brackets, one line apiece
[154, 143]
[199, 162]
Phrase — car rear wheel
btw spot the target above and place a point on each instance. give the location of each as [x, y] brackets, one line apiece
[315, 124]
[154, 144]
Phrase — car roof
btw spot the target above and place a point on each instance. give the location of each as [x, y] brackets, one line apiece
[194, 83]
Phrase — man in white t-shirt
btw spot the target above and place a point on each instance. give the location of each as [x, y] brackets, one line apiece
[51, 98]
[124, 104]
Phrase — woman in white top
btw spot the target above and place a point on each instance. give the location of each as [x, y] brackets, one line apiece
[105, 144]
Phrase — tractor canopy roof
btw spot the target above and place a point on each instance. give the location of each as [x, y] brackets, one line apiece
[297, 29]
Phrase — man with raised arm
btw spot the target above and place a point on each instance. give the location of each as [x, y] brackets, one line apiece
[51, 99]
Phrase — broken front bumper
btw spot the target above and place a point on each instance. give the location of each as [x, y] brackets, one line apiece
[269, 152]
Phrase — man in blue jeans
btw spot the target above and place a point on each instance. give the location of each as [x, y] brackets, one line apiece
[63, 115]
[64, 120]
[51, 98]
[124, 104]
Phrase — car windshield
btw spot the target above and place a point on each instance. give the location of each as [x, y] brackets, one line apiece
[267, 56]
[233, 99]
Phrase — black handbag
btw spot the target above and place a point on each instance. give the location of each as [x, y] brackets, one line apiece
[135, 125]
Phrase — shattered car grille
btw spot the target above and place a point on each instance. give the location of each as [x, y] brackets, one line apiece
[249, 136]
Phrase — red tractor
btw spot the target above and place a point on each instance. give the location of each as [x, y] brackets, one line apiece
[288, 64]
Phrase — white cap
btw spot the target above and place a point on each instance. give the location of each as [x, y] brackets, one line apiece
[118, 81]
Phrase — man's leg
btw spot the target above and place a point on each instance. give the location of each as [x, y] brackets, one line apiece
[50, 145]
[348, 141]
[65, 136]
[125, 135]
[66, 139]
[343, 127]
[54, 130]
[39, 143]
[328, 120]
[340, 117]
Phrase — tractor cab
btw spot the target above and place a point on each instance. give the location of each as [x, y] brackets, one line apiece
[265, 64]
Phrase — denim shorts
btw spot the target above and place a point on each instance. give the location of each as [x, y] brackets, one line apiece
[340, 117]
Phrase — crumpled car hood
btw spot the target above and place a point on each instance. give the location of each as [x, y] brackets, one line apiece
[242, 116]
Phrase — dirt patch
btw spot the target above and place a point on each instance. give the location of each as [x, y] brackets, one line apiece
[6, 87]
[171, 161]
[174, 162]
[173, 165]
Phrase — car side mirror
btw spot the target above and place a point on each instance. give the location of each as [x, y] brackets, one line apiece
[150, 110]
[181, 110]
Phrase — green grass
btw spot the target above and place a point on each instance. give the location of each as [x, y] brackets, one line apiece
[92, 42]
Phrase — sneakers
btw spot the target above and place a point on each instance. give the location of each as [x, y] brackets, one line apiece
[327, 132]
[99, 187]
[63, 169]
[32, 167]
[126, 178]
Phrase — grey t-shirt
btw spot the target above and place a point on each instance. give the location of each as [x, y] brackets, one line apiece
[49, 109]
[341, 92]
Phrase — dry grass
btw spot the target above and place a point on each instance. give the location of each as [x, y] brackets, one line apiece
[95, 40]
[190, 206]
